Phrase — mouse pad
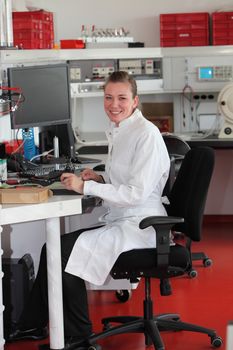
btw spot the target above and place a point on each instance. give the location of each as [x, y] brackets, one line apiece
[59, 190]
[63, 192]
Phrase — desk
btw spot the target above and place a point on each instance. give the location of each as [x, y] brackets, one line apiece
[229, 340]
[51, 211]
[211, 141]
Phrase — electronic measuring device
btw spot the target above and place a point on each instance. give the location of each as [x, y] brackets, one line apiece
[88, 76]
[215, 73]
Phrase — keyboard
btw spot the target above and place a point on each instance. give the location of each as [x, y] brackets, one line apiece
[41, 170]
[44, 179]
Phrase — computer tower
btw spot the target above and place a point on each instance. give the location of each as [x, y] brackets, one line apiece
[17, 281]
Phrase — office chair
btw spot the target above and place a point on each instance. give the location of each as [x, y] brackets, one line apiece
[187, 200]
[177, 148]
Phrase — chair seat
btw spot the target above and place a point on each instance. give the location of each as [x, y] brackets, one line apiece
[141, 262]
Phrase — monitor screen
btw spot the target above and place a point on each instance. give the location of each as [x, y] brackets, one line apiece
[205, 73]
[46, 95]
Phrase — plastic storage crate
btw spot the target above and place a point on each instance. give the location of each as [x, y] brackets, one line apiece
[184, 29]
[28, 24]
[28, 39]
[72, 44]
[222, 28]
[33, 29]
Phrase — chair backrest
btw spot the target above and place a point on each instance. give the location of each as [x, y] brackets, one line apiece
[189, 192]
[177, 148]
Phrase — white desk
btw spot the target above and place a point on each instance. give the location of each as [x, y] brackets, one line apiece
[51, 211]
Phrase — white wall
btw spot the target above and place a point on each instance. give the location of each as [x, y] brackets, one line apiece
[141, 18]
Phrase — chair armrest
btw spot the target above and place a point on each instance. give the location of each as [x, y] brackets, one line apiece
[162, 225]
[160, 221]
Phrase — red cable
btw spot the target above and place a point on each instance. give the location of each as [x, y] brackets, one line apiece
[17, 89]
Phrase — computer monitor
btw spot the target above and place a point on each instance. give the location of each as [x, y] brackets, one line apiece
[46, 103]
[65, 134]
[46, 93]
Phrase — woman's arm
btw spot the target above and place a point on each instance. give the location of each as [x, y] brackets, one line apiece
[76, 182]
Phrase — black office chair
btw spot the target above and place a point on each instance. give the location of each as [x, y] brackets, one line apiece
[187, 201]
[177, 148]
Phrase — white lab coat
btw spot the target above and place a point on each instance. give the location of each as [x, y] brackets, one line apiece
[136, 172]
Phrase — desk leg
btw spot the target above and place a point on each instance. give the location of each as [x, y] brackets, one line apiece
[56, 322]
[2, 341]
[229, 340]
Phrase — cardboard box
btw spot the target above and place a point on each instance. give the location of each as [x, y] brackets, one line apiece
[24, 195]
[161, 114]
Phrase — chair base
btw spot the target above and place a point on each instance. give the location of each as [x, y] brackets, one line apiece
[148, 327]
[202, 256]
[151, 329]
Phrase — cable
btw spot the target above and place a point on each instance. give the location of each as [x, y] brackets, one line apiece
[214, 128]
[190, 100]
[16, 91]
[8, 88]
[89, 143]
[20, 146]
[196, 119]
[41, 154]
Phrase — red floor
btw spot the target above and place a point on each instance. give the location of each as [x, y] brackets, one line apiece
[206, 300]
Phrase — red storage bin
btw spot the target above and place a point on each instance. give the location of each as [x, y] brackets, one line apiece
[222, 28]
[72, 44]
[30, 23]
[41, 15]
[184, 29]
[28, 39]
[33, 29]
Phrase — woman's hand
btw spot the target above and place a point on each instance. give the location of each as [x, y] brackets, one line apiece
[72, 182]
[76, 182]
[89, 174]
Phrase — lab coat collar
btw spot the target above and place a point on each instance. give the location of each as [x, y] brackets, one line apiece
[126, 122]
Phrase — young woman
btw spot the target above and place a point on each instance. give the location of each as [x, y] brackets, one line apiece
[137, 169]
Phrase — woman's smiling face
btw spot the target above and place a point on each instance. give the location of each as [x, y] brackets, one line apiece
[119, 102]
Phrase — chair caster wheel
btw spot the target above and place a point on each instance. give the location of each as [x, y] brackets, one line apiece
[193, 274]
[94, 347]
[207, 262]
[106, 326]
[123, 295]
[216, 342]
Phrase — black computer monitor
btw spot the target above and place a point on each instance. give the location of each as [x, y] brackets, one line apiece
[65, 134]
[46, 92]
[46, 104]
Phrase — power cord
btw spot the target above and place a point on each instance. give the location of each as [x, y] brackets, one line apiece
[41, 154]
